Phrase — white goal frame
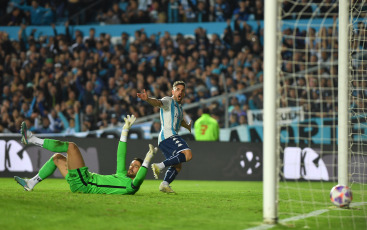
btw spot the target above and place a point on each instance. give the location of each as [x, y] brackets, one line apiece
[270, 151]
[270, 175]
[343, 97]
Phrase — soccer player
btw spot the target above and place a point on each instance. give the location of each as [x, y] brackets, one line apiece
[72, 167]
[174, 148]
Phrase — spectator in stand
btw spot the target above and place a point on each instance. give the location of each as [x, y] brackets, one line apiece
[233, 120]
[15, 18]
[256, 100]
[79, 44]
[113, 122]
[237, 111]
[71, 125]
[186, 11]
[49, 15]
[56, 124]
[242, 120]
[131, 13]
[201, 93]
[173, 12]
[259, 10]
[221, 11]
[89, 119]
[112, 16]
[201, 10]
[157, 12]
[38, 13]
[242, 12]
[44, 127]
[90, 41]
[156, 126]
[330, 7]
[87, 95]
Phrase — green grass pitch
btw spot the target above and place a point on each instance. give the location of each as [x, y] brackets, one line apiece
[197, 205]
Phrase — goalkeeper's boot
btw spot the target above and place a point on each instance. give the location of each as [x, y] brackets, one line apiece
[156, 170]
[23, 183]
[25, 133]
[164, 187]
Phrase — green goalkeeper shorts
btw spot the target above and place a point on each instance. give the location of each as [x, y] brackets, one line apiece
[78, 179]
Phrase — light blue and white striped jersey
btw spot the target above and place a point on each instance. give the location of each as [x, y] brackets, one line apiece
[171, 114]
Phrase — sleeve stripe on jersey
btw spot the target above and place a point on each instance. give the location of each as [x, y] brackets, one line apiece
[178, 118]
[173, 117]
[162, 129]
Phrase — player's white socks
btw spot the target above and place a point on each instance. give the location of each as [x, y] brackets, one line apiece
[165, 183]
[33, 181]
[160, 165]
[32, 139]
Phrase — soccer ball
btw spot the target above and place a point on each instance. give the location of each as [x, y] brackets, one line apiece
[341, 195]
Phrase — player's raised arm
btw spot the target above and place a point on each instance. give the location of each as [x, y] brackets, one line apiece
[121, 150]
[151, 101]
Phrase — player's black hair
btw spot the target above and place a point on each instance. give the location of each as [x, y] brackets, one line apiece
[138, 159]
[206, 110]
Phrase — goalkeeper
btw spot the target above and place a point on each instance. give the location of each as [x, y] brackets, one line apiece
[72, 167]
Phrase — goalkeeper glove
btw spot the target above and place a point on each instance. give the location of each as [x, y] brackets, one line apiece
[152, 151]
[129, 121]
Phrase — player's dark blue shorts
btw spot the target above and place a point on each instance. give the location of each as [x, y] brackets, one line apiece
[172, 146]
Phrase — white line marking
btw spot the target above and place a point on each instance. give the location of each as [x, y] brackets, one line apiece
[261, 227]
[300, 217]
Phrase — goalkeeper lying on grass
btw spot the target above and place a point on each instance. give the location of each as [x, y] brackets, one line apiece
[76, 173]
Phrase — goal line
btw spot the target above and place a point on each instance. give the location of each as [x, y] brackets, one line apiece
[301, 217]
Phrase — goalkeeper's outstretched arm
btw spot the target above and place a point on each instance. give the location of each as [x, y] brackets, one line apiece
[121, 150]
[140, 176]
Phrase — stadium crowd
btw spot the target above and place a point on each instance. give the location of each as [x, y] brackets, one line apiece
[70, 83]
[78, 82]
[45, 12]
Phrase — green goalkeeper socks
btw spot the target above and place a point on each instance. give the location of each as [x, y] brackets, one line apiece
[47, 169]
[56, 146]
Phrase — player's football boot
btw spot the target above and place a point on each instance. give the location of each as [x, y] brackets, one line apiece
[23, 183]
[164, 187]
[156, 170]
[25, 133]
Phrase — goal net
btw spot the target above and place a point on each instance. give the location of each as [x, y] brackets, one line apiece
[307, 113]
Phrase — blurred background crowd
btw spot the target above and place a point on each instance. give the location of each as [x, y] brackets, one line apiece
[72, 82]
[45, 12]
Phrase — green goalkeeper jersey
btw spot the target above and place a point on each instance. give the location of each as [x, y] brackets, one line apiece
[81, 180]
[206, 128]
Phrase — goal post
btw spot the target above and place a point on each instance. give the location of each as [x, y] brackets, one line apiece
[270, 175]
[315, 111]
[343, 95]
